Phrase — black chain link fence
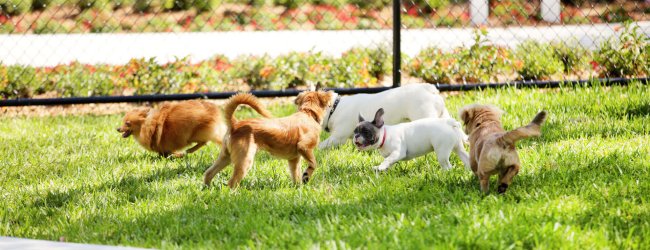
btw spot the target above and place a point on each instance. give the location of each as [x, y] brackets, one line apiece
[77, 48]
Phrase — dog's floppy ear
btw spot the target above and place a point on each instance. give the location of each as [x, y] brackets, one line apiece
[144, 111]
[361, 118]
[299, 98]
[464, 115]
[379, 119]
[325, 97]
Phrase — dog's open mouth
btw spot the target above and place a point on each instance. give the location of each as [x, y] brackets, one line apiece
[360, 145]
[126, 134]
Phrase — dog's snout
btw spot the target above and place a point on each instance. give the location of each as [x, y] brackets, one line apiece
[118, 130]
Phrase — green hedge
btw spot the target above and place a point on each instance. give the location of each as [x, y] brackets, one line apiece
[625, 55]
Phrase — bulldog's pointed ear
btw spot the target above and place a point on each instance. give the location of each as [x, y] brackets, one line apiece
[361, 118]
[379, 118]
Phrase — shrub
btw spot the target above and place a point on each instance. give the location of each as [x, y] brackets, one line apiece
[574, 57]
[290, 4]
[153, 5]
[48, 27]
[41, 4]
[206, 5]
[15, 7]
[17, 81]
[537, 61]
[433, 66]
[118, 4]
[371, 4]
[335, 3]
[302, 69]
[482, 62]
[625, 55]
[97, 4]
[354, 68]
[478, 63]
[426, 6]
[257, 3]
[257, 72]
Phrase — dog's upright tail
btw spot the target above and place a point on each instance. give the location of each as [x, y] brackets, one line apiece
[530, 130]
[458, 128]
[242, 98]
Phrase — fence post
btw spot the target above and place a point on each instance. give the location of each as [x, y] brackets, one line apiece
[550, 10]
[479, 11]
[397, 54]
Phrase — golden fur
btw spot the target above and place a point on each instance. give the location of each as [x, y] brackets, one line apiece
[492, 149]
[175, 126]
[288, 137]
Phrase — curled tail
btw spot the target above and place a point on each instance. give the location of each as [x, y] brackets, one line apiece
[242, 98]
[530, 130]
[458, 128]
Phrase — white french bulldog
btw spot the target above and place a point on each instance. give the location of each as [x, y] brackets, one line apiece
[407, 103]
[406, 141]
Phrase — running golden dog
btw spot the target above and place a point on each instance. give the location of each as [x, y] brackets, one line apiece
[174, 127]
[492, 149]
[288, 137]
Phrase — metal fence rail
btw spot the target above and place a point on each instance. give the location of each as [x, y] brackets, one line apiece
[293, 92]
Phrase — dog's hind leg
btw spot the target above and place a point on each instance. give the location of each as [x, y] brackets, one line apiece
[505, 177]
[294, 169]
[311, 162]
[462, 154]
[220, 164]
[443, 154]
[243, 160]
[485, 169]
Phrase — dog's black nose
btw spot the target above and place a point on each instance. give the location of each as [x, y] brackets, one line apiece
[502, 188]
[118, 130]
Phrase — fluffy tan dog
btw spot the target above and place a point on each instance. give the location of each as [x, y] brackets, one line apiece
[492, 149]
[174, 127]
[288, 137]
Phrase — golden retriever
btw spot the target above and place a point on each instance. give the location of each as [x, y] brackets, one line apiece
[492, 149]
[174, 127]
[289, 138]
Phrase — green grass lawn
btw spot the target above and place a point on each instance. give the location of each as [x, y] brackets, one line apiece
[583, 184]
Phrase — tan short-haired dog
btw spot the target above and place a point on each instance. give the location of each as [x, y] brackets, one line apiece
[492, 149]
[288, 137]
[175, 126]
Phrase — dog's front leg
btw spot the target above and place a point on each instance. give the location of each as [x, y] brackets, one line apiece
[394, 157]
[311, 165]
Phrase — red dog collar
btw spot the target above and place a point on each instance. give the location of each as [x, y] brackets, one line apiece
[383, 140]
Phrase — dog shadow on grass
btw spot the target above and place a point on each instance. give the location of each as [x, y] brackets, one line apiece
[234, 218]
[135, 186]
[237, 219]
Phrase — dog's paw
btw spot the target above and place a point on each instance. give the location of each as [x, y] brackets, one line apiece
[378, 168]
[179, 155]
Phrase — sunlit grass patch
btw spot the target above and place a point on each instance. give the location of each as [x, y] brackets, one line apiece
[583, 184]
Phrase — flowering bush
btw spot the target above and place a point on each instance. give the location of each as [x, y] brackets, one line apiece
[626, 54]
[357, 67]
[537, 61]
